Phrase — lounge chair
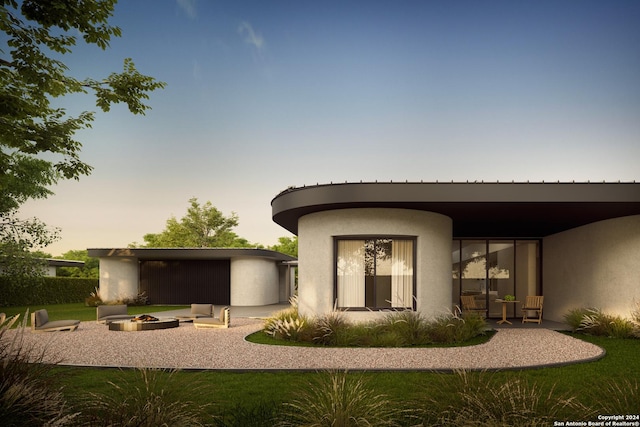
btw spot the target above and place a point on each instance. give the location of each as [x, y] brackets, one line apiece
[198, 311]
[109, 313]
[222, 322]
[532, 303]
[40, 323]
[470, 305]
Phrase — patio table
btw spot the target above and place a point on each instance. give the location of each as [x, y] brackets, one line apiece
[504, 310]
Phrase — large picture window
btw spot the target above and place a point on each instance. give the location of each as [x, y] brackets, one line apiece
[375, 273]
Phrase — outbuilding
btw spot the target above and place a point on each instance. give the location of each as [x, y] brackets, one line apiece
[367, 248]
[221, 276]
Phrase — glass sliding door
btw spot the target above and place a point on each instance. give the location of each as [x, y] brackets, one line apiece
[492, 269]
[501, 277]
[473, 271]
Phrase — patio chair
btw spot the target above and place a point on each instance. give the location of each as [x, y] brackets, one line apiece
[40, 323]
[223, 322]
[470, 305]
[198, 311]
[109, 313]
[532, 303]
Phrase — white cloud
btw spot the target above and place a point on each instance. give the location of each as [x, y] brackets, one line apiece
[250, 36]
[189, 7]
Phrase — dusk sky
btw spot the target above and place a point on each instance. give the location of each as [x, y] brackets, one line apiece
[264, 95]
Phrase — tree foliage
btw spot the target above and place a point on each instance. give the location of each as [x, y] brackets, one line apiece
[287, 245]
[32, 76]
[91, 269]
[204, 226]
[37, 143]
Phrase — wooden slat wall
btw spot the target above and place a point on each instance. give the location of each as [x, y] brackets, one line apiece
[186, 281]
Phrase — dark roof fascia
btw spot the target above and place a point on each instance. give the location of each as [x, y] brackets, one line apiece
[471, 205]
[188, 253]
[53, 262]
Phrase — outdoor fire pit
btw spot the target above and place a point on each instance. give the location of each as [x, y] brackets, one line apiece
[143, 322]
[145, 318]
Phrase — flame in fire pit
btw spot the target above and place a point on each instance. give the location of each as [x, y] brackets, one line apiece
[145, 318]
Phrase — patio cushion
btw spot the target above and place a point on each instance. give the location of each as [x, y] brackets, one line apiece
[41, 317]
[202, 310]
[109, 313]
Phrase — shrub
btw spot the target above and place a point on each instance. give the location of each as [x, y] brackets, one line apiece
[29, 394]
[45, 290]
[157, 400]
[339, 399]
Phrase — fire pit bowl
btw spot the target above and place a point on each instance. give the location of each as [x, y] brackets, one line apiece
[143, 325]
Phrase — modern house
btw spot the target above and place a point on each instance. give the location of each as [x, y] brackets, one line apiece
[371, 247]
[221, 276]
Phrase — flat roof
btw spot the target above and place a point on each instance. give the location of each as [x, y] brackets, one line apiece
[478, 209]
[160, 254]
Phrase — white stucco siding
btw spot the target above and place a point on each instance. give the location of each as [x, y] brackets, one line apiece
[119, 278]
[316, 231]
[254, 281]
[597, 265]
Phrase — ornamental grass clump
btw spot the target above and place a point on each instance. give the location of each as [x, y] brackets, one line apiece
[454, 329]
[288, 324]
[29, 392]
[154, 398]
[339, 399]
[594, 321]
[333, 329]
[403, 328]
[621, 396]
[409, 327]
[489, 399]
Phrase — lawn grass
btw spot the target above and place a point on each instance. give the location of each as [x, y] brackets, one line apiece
[80, 311]
[229, 391]
[255, 392]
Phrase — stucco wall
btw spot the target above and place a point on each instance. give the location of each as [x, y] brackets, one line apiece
[597, 265]
[119, 278]
[316, 258]
[254, 281]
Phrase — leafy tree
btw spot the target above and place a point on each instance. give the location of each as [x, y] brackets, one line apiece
[37, 144]
[91, 269]
[204, 226]
[287, 245]
[20, 241]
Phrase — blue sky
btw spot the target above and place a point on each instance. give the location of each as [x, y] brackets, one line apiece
[263, 95]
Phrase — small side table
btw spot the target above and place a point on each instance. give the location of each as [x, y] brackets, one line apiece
[504, 310]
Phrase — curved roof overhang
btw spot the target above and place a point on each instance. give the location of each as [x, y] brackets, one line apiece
[478, 209]
[161, 254]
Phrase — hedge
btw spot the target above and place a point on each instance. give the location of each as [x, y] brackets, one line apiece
[45, 290]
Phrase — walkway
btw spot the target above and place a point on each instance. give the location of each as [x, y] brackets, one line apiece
[226, 349]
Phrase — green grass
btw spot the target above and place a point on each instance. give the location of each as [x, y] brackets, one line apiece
[249, 393]
[261, 338]
[253, 390]
[80, 311]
